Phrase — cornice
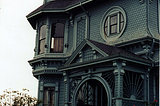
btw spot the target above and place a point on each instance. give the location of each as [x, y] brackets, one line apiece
[105, 59]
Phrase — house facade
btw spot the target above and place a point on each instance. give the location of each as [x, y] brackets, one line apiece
[96, 52]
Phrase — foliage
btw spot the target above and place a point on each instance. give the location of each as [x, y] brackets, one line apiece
[154, 103]
[16, 98]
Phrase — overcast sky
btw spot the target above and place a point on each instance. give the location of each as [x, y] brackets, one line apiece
[17, 41]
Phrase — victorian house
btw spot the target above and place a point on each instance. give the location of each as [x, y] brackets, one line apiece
[96, 52]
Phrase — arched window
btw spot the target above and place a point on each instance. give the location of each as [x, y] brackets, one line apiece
[42, 37]
[57, 38]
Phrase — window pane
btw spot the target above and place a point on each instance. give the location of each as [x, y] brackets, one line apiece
[57, 30]
[106, 30]
[113, 20]
[41, 49]
[42, 36]
[57, 39]
[57, 45]
[121, 25]
[121, 18]
[49, 96]
[43, 32]
[113, 29]
[106, 23]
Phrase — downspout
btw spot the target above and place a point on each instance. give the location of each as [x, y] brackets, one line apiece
[153, 41]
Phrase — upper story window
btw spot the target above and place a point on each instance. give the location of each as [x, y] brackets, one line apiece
[42, 37]
[113, 23]
[57, 38]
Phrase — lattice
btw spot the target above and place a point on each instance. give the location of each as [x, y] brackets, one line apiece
[87, 55]
[81, 26]
[73, 84]
[131, 103]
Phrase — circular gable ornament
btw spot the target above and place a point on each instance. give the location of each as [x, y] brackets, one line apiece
[113, 23]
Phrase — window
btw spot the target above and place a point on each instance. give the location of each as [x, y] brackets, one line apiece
[57, 38]
[49, 96]
[42, 37]
[113, 23]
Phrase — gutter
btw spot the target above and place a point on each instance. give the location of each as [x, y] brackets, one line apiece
[83, 9]
[67, 9]
[153, 41]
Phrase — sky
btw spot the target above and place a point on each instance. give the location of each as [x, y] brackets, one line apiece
[17, 42]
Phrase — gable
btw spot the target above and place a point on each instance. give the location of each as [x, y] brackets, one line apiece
[90, 50]
[86, 53]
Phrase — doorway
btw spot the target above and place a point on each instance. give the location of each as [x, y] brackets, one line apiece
[92, 93]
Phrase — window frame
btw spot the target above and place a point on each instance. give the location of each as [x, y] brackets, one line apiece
[115, 10]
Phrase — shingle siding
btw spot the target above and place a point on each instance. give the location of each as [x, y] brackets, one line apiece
[135, 14]
[153, 18]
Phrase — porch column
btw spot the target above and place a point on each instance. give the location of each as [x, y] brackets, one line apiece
[119, 72]
[66, 95]
[40, 90]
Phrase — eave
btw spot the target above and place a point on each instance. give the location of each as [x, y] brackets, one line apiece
[147, 38]
[48, 58]
[33, 16]
[105, 59]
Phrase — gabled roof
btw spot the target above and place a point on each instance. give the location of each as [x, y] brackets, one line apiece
[107, 51]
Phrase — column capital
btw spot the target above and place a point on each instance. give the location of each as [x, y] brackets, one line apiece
[115, 72]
